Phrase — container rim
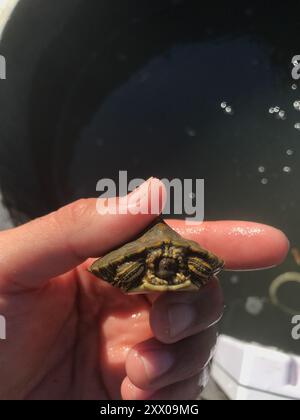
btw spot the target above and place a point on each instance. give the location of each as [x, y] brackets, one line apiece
[6, 9]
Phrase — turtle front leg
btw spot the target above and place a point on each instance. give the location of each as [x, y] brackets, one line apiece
[201, 271]
[129, 275]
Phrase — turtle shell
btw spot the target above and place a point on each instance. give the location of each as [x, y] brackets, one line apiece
[146, 264]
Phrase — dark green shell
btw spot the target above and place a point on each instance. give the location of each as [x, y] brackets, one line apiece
[156, 236]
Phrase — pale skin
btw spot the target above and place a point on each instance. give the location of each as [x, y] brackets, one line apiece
[72, 336]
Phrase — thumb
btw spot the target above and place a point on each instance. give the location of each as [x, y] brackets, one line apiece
[58, 242]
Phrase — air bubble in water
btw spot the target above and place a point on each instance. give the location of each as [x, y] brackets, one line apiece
[290, 152]
[261, 169]
[229, 110]
[265, 181]
[254, 305]
[190, 132]
[294, 86]
[297, 126]
[297, 105]
[234, 279]
[287, 169]
[280, 113]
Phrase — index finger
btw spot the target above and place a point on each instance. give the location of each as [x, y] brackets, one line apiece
[242, 245]
[54, 244]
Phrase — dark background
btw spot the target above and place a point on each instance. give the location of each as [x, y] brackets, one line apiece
[95, 87]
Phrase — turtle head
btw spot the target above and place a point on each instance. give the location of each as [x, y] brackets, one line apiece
[166, 268]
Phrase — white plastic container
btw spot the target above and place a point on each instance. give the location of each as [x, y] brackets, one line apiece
[252, 372]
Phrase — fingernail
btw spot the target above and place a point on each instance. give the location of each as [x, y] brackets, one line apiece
[141, 193]
[137, 200]
[156, 363]
[181, 317]
[139, 188]
[148, 199]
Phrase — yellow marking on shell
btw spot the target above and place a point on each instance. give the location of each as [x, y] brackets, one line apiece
[195, 264]
[198, 273]
[205, 264]
[188, 286]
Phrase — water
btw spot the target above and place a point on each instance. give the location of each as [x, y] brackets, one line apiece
[189, 91]
[170, 125]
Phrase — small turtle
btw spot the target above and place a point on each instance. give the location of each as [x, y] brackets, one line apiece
[158, 261]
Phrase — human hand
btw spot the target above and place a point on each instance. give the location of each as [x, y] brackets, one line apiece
[72, 336]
